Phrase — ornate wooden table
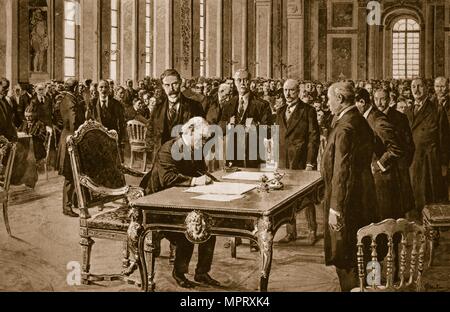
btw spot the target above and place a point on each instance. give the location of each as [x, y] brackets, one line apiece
[257, 216]
[435, 218]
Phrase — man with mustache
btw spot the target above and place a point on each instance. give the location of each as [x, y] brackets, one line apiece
[430, 131]
[176, 109]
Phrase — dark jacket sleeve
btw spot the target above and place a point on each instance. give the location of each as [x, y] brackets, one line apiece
[385, 132]
[410, 148]
[168, 171]
[313, 137]
[342, 166]
[444, 138]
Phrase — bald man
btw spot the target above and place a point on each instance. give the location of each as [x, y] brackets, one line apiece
[299, 146]
[214, 113]
[350, 200]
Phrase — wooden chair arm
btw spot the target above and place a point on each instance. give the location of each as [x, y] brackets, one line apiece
[132, 172]
[91, 185]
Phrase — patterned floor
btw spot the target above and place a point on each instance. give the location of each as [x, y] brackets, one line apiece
[45, 241]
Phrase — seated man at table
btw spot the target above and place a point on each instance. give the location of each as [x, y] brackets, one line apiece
[168, 172]
[36, 128]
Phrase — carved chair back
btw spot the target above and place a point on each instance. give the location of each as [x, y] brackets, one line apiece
[136, 133]
[411, 249]
[96, 164]
[7, 155]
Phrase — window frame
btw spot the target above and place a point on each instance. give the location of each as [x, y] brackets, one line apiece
[406, 60]
[115, 53]
[75, 39]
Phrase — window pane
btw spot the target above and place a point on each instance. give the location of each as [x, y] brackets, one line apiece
[113, 71]
[69, 30]
[69, 48]
[69, 10]
[114, 5]
[69, 67]
[114, 18]
[113, 35]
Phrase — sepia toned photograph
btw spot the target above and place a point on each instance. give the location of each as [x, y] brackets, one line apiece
[224, 146]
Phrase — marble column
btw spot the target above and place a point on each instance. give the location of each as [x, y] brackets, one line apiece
[362, 41]
[89, 40]
[439, 41]
[227, 45]
[429, 41]
[162, 39]
[213, 38]
[128, 31]
[295, 34]
[9, 41]
[141, 38]
[263, 38]
[314, 40]
[239, 35]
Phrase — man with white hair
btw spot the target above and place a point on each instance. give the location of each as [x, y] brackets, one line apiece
[171, 170]
[350, 200]
[214, 113]
[442, 101]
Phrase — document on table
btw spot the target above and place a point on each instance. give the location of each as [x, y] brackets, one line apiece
[222, 188]
[248, 176]
[218, 197]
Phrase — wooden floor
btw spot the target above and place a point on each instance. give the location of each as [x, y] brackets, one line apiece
[45, 241]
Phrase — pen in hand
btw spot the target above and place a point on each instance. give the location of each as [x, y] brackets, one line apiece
[206, 173]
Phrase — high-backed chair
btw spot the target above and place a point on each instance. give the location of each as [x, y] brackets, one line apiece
[410, 259]
[7, 155]
[136, 134]
[99, 178]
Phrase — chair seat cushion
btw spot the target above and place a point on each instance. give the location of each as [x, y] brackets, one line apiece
[115, 220]
[438, 213]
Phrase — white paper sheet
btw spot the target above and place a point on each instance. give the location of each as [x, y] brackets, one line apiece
[218, 197]
[248, 176]
[223, 188]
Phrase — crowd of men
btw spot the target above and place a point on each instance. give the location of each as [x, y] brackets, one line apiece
[383, 147]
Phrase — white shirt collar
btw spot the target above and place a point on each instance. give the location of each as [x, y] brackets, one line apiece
[345, 111]
[366, 114]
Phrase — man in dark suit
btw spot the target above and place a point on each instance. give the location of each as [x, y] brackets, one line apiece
[299, 146]
[109, 112]
[442, 100]
[214, 113]
[405, 198]
[7, 128]
[176, 110]
[244, 109]
[72, 114]
[430, 131]
[168, 172]
[388, 150]
[43, 106]
[350, 200]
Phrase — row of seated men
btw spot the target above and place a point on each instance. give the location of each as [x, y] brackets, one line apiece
[410, 156]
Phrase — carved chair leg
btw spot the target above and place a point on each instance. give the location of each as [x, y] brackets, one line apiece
[233, 247]
[132, 159]
[126, 255]
[144, 166]
[5, 217]
[86, 247]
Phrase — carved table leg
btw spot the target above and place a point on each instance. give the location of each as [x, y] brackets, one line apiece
[433, 239]
[126, 255]
[86, 247]
[148, 250]
[265, 241]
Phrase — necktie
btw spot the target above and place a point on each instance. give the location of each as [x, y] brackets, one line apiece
[289, 111]
[172, 113]
[417, 107]
[240, 110]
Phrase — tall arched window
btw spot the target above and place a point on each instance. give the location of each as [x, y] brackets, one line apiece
[71, 11]
[114, 39]
[405, 49]
[148, 37]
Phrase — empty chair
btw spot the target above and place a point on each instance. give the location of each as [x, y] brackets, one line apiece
[7, 155]
[409, 260]
[136, 134]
